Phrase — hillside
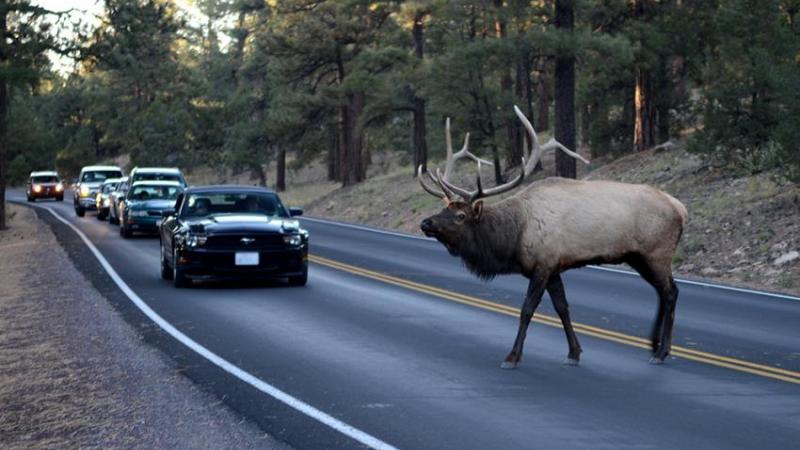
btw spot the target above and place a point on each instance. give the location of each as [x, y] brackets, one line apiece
[743, 229]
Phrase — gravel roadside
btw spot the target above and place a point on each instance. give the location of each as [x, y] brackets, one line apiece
[74, 374]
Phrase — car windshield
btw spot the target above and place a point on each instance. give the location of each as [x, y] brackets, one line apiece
[109, 188]
[205, 203]
[45, 179]
[154, 193]
[157, 177]
[100, 175]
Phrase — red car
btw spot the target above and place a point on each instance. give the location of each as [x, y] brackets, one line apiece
[44, 185]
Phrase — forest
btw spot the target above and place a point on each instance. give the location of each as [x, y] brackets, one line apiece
[247, 85]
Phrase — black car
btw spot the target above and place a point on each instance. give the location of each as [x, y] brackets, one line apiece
[221, 232]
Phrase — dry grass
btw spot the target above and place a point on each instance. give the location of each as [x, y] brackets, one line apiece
[73, 374]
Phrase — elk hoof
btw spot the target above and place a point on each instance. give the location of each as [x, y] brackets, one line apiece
[656, 361]
[571, 362]
[508, 365]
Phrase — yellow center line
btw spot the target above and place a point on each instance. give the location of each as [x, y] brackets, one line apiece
[601, 333]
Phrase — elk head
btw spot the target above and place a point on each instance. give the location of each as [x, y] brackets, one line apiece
[455, 225]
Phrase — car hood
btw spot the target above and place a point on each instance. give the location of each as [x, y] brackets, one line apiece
[151, 205]
[243, 223]
[93, 185]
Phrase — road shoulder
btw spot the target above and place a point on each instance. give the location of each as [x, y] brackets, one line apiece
[74, 374]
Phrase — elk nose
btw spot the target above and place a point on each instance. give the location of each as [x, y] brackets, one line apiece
[426, 225]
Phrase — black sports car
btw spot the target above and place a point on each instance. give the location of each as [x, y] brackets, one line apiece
[232, 232]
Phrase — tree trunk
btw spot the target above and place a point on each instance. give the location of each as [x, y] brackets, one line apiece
[280, 176]
[359, 165]
[333, 153]
[3, 110]
[514, 152]
[565, 94]
[420, 141]
[346, 146]
[522, 90]
[665, 88]
[644, 116]
[543, 97]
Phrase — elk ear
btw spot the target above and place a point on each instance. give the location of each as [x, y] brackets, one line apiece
[477, 210]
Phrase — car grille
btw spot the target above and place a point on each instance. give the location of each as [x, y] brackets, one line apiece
[234, 241]
[154, 213]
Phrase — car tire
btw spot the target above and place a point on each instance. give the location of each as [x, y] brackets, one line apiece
[101, 215]
[166, 270]
[60, 199]
[178, 277]
[80, 211]
[299, 280]
[125, 232]
[30, 199]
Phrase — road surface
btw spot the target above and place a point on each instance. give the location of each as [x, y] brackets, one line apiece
[394, 338]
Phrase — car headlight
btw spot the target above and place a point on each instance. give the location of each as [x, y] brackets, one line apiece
[37, 188]
[137, 213]
[106, 202]
[293, 239]
[84, 191]
[59, 187]
[195, 240]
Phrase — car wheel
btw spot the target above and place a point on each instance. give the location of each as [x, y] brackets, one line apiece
[61, 199]
[299, 280]
[178, 277]
[101, 215]
[125, 232]
[30, 199]
[80, 211]
[166, 270]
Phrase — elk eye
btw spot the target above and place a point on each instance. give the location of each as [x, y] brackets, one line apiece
[461, 216]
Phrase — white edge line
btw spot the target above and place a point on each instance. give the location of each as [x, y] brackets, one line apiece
[220, 362]
[607, 269]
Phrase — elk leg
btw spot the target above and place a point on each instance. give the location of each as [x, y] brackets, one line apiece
[668, 298]
[645, 269]
[532, 299]
[555, 287]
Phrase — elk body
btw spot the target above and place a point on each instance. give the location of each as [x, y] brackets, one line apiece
[558, 224]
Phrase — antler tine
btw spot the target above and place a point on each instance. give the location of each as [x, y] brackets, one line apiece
[428, 189]
[537, 150]
[463, 193]
[450, 165]
[480, 193]
[447, 193]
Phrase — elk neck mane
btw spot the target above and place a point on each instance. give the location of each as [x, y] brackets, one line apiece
[492, 249]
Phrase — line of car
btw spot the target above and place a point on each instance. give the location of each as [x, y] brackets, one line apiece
[205, 232]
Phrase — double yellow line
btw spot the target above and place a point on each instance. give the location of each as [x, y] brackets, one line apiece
[775, 373]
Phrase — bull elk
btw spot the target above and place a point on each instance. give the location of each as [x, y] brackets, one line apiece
[554, 225]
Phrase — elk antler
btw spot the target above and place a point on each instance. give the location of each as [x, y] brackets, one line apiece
[450, 165]
[471, 196]
[537, 150]
[450, 189]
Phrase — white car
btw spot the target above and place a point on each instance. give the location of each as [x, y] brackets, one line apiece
[84, 192]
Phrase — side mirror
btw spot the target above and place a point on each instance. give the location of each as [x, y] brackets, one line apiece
[296, 212]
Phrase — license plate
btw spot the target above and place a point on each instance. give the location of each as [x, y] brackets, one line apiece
[246, 258]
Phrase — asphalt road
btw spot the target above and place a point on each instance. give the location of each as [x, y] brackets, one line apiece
[393, 337]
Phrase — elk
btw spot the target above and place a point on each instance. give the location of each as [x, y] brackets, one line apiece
[554, 225]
